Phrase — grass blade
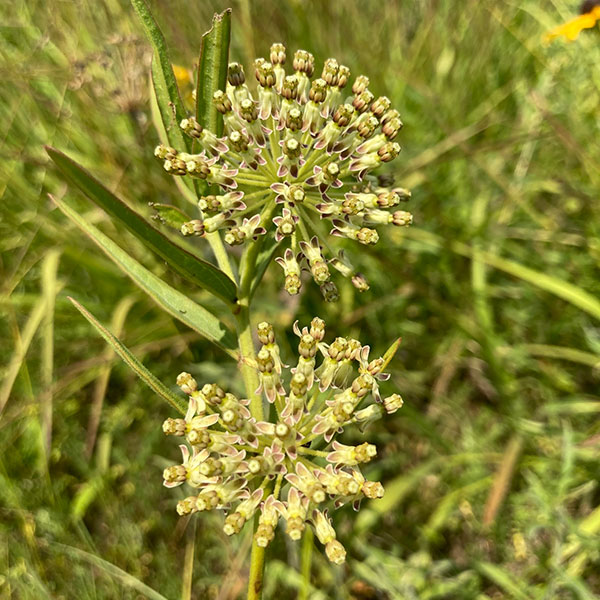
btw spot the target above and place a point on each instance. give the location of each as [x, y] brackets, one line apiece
[117, 323]
[132, 362]
[502, 579]
[50, 288]
[175, 303]
[194, 269]
[125, 578]
[22, 343]
[563, 289]
[212, 73]
[502, 480]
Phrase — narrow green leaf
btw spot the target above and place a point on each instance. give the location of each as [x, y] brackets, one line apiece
[189, 187]
[125, 578]
[390, 353]
[175, 303]
[170, 117]
[562, 353]
[22, 342]
[50, 289]
[503, 580]
[117, 324]
[449, 503]
[169, 215]
[165, 83]
[171, 109]
[212, 71]
[559, 287]
[132, 362]
[194, 269]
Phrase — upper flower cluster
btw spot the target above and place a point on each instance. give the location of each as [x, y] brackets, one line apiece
[296, 155]
[241, 465]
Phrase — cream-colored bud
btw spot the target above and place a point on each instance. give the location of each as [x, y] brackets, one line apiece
[187, 506]
[187, 383]
[281, 430]
[335, 552]
[372, 489]
[392, 403]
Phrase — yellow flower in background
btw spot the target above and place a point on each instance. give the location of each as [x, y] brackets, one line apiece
[183, 75]
[571, 29]
[185, 82]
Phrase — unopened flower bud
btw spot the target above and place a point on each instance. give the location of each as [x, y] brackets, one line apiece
[362, 101]
[330, 292]
[401, 218]
[380, 106]
[392, 403]
[191, 127]
[389, 151]
[235, 74]
[277, 54]
[221, 102]
[361, 83]
[304, 62]
[194, 227]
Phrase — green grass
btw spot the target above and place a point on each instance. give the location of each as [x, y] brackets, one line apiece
[491, 466]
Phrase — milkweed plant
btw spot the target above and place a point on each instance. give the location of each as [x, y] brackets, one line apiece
[282, 163]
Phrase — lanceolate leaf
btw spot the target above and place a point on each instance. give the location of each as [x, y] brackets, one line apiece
[559, 287]
[133, 363]
[194, 269]
[166, 92]
[112, 570]
[212, 72]
[170, 134]
[165, 84]
[175, 303]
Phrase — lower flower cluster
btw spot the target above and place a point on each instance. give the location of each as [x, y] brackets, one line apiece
[287, 468]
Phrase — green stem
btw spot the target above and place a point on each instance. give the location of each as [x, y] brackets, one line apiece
[251, 382]
[216, 244]
[248, 262]
[306, 561]
[257, 570]
[248, 359]
[257, 183]
[188, 563]
[320, 453]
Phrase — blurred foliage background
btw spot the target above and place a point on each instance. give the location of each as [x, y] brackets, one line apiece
[491, 468]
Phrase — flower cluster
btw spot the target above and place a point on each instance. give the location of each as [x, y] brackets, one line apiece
[288, 467]
[297, 159]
